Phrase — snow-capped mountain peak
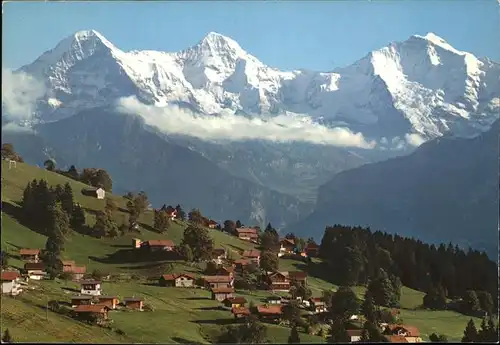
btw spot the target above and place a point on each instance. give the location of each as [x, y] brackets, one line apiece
[422, 85]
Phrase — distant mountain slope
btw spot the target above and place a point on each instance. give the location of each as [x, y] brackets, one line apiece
[138, 159]
[447, 190]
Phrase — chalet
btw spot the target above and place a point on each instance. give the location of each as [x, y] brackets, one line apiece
[218, 255]
[134, 303]
[212, 224]
[225, 271]
[220, 294]
[252, 255]
[278, 281]
[29, 255]
[240, 312]
[90, 287]
[270, 313]
[312, 250]
[76, 272]
[274, 300]
[170, 212]
[177, 280]
[247, 234]
[98, 193]
[234, 302]
[35, 270]
[317, 304]
[287, 246]
[411, 333]
[79, 300]
[109, 301]
[157, 245]
[136, 243]
[10, 283]
[84, 311]
[218, 281]
[395, 339]
[354, 334]
[240, 264]
[298, 277]
[68, 264]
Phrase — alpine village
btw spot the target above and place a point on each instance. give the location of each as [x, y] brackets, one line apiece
[80, 263]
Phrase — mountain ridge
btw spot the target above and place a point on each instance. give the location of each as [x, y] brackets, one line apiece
[432, 88]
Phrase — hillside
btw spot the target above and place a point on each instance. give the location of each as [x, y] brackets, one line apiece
[169, 173]
[447, 190]
[190, 314]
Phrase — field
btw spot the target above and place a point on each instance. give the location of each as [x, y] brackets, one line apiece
[179, 315]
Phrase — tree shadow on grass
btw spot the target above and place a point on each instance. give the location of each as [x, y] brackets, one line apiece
[71, 289]
[197, 298]
[239, 249]
[219, 322]
[16, 212]
[184, 341]
[209, 308]
[132, 256]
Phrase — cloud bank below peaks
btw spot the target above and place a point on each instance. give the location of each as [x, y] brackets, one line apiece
[20, 93]
[227, 126]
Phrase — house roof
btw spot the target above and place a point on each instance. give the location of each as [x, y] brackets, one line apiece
[253, 253]
[223, 290]
[218, 251]
[246, 230]
[228, 269]
[160, 243]
[312, 246]
[217, 279]
[9, 275]
[287, 241]
[89, 282]
[212, 222]
[91, 308]
[412, 330]
[68, 263]
[133, 299]
[75, 269]
[27, 251]
[81, 297]
[270, 310]
[396, 339]
[34, 266]
[297, 275]
[242, 261]
[236, 300]
[354, 332]
[174, 276]
[316, 300]
[278, 273]
[240, 311]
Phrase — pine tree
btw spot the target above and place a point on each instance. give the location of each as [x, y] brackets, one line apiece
[66, 198]
[200, 242]
[7, 338]
[73, 173]
[470, 333]
[471, 302]
[338, 333]
[161, 221]
[368, 308]
[77, 221]
[294, 336]
[382, 289]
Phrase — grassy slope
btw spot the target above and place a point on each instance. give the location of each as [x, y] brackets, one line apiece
[180, 314]
[189, 314]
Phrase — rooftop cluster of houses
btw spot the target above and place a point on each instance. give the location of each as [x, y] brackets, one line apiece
[34, 269]
[92, 301]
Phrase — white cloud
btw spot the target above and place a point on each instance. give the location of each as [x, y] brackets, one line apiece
[282, 128]
[414, 139]
[13, 127]
[20, 91]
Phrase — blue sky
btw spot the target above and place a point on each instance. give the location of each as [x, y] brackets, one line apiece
[317, 35]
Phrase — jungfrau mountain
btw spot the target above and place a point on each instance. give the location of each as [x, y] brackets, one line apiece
[398, 97]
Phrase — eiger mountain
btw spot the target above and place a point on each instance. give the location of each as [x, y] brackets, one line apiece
[422, 86]
[447, 190]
